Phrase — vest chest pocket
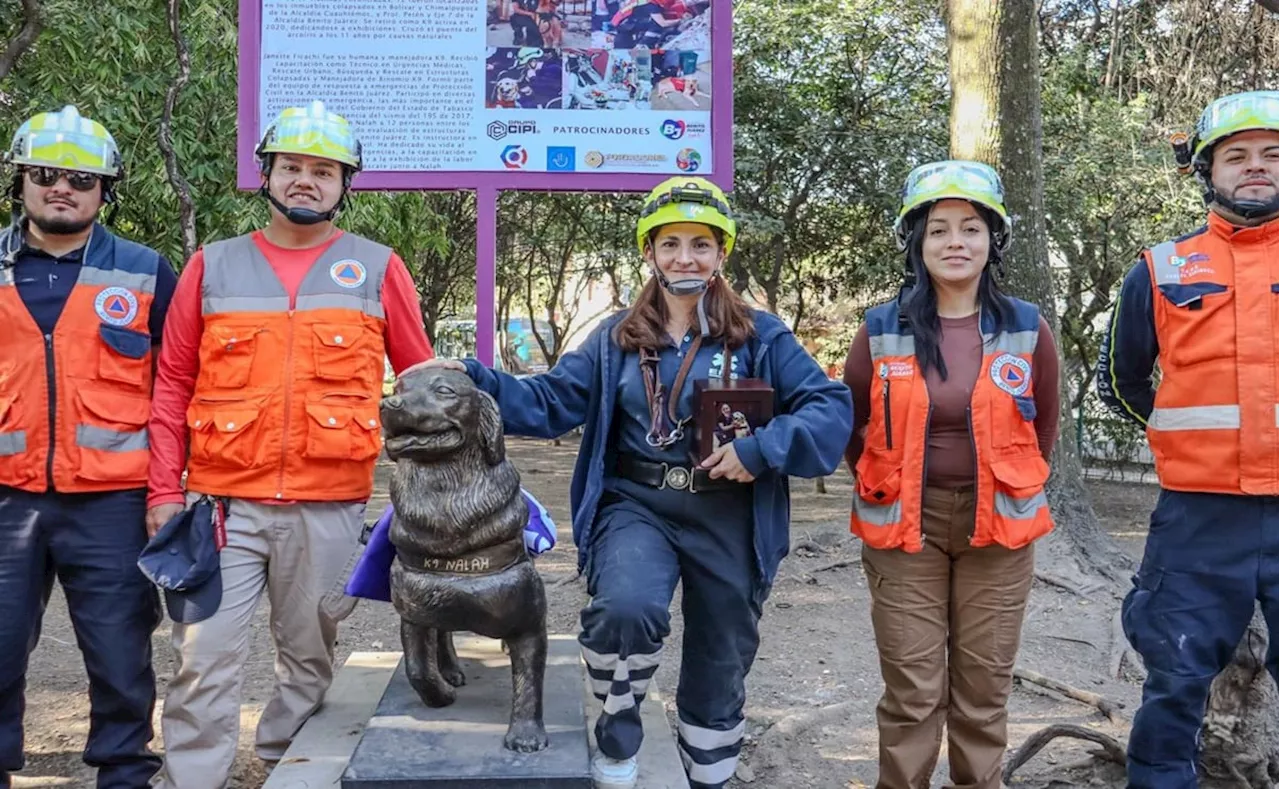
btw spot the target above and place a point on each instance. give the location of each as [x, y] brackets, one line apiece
[343, 429]
[124, 356]
[1189, 327]
[226, 432]
[344, 352]
[1013, 421]
[228, 354]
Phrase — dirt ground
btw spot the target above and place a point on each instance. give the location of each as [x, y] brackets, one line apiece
[816, 651]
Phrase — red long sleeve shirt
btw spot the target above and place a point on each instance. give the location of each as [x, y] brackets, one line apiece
[179, 361]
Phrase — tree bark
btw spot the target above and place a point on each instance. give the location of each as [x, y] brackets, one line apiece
[32, 24]
[993, 49]
[186, 203]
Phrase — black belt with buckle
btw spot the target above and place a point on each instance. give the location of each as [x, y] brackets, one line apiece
[666, 475]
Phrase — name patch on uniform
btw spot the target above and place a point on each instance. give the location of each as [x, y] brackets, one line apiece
[895, 370]
[1011, 373]
[116, 306]
[348, 273]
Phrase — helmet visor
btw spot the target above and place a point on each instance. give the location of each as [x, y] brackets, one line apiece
[1241, 112]
[67, 150]
[310, 136]
[968, 180]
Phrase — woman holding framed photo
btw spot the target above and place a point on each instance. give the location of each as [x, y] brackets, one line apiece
[649, 510]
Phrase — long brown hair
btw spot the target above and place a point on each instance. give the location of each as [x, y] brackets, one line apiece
[645, 326]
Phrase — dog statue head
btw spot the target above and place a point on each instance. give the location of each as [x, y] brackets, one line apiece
[435, 413]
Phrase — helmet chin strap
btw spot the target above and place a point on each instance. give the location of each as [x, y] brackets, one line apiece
[1249, 209]
[690, 287]
[302, 216]
[1245, 209]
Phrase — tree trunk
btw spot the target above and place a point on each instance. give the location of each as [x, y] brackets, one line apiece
[32, 23]
[995, 118]
[1239, 732]
[181, 188]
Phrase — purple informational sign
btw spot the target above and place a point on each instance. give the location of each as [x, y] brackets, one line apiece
[491, 95]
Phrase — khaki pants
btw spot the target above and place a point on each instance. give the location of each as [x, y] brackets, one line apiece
[301, 554]
[947, 622]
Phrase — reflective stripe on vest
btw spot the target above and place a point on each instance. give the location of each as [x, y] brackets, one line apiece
[73, 416]
[1012, 508]
[286, 402]
[1207, 417]
[13, 443]
[1214, 424]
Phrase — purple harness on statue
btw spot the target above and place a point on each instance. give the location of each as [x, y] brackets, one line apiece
[371, 578]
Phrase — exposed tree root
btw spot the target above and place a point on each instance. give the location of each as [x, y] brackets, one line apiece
[1112, 750]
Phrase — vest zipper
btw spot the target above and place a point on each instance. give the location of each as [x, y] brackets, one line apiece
[973, 444]
[888, 413]
[50, 376]
[924, 467]
[288, 397]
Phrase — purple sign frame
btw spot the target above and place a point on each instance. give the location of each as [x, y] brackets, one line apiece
[488, 184]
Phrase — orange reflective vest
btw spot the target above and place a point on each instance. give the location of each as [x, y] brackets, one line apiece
[1011, 506]
[74, 404]
[1214, 425]
[286, 400]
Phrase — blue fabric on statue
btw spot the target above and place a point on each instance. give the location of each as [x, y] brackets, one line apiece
[371, 578]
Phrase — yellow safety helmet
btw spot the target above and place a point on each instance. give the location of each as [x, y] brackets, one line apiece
[67, 141]
[686, 199]
[953, 179]
[1257, 109]
[312, 131]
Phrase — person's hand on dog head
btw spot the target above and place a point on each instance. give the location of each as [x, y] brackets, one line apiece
[448, 364]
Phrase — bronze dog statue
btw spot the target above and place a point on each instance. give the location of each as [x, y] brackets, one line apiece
[458, 529]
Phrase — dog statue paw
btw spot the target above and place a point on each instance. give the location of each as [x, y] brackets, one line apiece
[461, 563]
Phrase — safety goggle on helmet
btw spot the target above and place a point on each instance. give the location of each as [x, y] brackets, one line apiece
[66, 141]
[1258, 109]
[312, 131]
[685, 199]
[953, 179]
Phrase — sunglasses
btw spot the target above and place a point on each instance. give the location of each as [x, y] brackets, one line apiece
[48, 176]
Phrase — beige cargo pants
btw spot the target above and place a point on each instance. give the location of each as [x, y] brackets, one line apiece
[301, 555]
[947, 621]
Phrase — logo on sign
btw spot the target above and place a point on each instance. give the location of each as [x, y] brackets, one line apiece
[594, 159]
[689, 160]
[673, 129]
[1011, 373]
[499, 129]
[348, 273]
[514, 157]
[116, 306]
[560, 159]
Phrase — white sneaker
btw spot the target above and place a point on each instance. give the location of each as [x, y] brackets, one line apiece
[614, 773]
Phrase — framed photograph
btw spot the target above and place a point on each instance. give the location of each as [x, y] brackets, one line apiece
[729, 410]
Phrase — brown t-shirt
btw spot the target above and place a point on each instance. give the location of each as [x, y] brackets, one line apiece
[949, 460]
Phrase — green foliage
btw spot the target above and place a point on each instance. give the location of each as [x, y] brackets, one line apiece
[114, 61]
[834, 101]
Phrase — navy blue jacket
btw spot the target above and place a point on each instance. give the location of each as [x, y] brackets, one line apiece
[1130, 349]
[806, 437]
[44, 282]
